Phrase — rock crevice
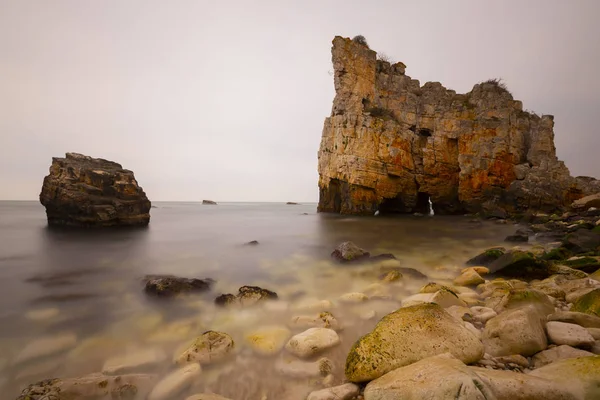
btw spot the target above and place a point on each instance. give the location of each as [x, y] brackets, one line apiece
[390, 144]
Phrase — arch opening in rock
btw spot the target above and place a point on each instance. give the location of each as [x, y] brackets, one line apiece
[394, 205]
[424, 205]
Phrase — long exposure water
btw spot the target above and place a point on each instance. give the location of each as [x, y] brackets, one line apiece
[86, 284]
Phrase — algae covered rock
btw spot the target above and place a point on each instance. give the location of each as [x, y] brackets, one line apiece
[521, 265]
[487, 257]
[208, 348]
[170, 285]
[247, 296]
[501, 300]
[582, 241]
[409, 335]
[580, 376]
[589, 303]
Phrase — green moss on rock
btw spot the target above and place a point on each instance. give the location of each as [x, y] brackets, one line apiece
[589, 303]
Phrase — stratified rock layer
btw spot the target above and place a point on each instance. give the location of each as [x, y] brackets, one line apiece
[90, 192]
[393, 145]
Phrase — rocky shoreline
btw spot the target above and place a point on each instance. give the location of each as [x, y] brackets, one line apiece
[516, 323]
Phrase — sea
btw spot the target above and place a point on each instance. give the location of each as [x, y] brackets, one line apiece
[87, 286]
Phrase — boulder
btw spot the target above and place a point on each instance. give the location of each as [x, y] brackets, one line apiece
[579, 318]
[557, 353]
[446, 298]
[312, 342]
[483, 314]
[172, 385]
[443, 377]
[589, 303]
[585, 264]
[170, 285]
[487, 257]
[83, 191]
[268, 341]
[521, 265]
[469, 278]
[409, 335]
[90, 387]
[208, 348]
[518, 331]
[580, 376]
[349, 252]
[586, 202]
[346, 391]
[501, 300]
[479, 269]
[582, 241]
[569, 334]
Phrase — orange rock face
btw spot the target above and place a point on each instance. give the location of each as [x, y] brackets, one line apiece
[393, 145]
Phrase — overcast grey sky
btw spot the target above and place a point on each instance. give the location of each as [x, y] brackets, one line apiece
[225, 100]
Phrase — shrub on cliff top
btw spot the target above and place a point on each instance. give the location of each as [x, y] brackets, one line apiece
[499, 84]
[360, 39]
[384, 57]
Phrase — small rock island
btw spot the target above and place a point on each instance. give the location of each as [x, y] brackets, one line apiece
[82, 191]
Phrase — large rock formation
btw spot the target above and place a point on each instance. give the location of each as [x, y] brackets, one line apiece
[85, 191]
[393, 145]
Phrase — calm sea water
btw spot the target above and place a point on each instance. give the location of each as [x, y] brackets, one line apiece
[87, 283]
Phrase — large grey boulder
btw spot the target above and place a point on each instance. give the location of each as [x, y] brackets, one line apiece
[518, 331]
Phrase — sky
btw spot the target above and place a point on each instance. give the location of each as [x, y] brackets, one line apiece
[225, 100]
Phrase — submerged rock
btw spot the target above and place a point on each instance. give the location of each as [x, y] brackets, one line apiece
[268, 341]
[92, 192]
[409, 335]
[139, 361]
[46, 346]
[247, 296]
[349, 252]
[90, 387]
[323, 320]
[175, 383]
[170, 285]
[298, 369]
[208, 348]
[312, 342]
[346, 391]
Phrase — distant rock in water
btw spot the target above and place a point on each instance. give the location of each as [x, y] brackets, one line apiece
[209, 202]
[252, 243]
[92, 192]
[291, 203]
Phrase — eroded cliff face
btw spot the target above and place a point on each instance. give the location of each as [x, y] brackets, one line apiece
[92, 192]
[393, 145]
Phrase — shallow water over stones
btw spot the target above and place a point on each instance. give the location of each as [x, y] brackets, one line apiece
[78, 296]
